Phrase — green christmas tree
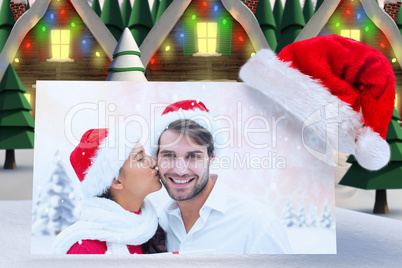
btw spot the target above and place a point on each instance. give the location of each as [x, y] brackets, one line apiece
[308, 10]
[111, 17]
[278, 12]
[399, 21]
[163, 5]
[318, 4]
[16, 122]
[140, 22]
[291, 25]
[154, 12]
[6, 22]
[266, 20]
[126, 11]
[96, 7]
[28, 5]
[389, 177]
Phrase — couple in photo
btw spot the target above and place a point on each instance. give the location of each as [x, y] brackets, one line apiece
[201, 216]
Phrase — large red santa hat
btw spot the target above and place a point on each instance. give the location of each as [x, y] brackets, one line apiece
[194, 110]
[99, 156]
[336, 76]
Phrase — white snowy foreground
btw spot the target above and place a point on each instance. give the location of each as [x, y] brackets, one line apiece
[363, 240]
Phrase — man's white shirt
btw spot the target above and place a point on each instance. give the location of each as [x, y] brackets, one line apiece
[228, 224]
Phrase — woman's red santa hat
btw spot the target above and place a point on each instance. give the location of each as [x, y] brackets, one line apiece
[99, 156]
[338, 75]
[194, 110]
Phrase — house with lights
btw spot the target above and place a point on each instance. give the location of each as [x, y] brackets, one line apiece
[364, 21]
[201, 40]
[58, 40]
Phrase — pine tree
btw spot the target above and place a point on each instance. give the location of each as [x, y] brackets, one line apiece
[16, 122]
[312, 216]
[278, 12]
[308, 10]
[140, 22]
[126, 12]
[55, 203]
[291, 25]
[318, 4]
[6, 22]
[389, 177]
[266, 20]
[301, 216]
[289, 216]
[96, 7]
[326, 217]
[154, 11]
[111, 17]
[163, 5]
[126, 64]
[399, 21]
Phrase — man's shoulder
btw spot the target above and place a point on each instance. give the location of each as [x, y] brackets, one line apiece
[250, 208]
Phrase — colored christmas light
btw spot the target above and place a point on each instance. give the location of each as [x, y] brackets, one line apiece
[17, 60]
[97, 54]
[28, 45]
[241, 38]
[204, 4]
[44, 28]
[84, 42]
[167, 48]
[393, 60]
[367, 29]
[224, 21]
[181, 35]
[382, 45]
[152, 61]
[72, 24]
[194, 17]
[215, 8]
[359, 16]
[252, 54]
[348, 12]
[52, 16]
[337, 24]
[62, 12]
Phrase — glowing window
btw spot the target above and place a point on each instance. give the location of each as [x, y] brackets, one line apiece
[28, 97]
[60, 44]
[354, 34]
[396, 100]
[207, 37]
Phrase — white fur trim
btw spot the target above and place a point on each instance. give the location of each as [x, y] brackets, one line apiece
[304, 97]
[105, 220]
[205, 119]
[117, 248]
[372, 150]
[113, 152]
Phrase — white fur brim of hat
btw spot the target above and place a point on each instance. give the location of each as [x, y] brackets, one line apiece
[307, 98]
[206, 120]
[110, 157]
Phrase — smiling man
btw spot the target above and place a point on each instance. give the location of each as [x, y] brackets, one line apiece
[203, 216]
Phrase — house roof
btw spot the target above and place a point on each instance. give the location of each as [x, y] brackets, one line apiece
[381, 19]
[172, 14]
[30, 18]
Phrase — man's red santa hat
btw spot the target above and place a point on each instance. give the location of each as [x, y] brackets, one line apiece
[194, 110]
[338, 75]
